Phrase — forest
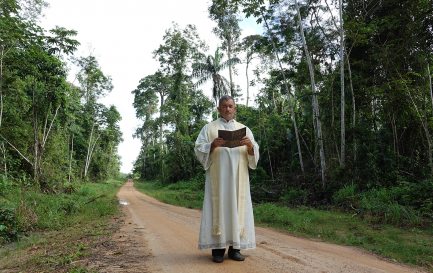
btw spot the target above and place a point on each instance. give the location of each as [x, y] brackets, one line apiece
[52, 132]
[343, 112]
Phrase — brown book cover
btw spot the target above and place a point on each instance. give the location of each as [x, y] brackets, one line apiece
[232, 138]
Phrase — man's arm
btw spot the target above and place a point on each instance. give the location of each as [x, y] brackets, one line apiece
[203, 148]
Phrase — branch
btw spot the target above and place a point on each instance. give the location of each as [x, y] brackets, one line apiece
[45, 136]
[16, 150]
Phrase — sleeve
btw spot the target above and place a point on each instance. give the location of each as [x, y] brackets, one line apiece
[253, 159]
[202, 148]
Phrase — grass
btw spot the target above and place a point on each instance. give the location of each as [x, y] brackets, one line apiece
[183, 193]
[56, 230]
[406, 245]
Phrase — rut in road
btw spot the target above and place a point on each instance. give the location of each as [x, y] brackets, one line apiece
[170, 234]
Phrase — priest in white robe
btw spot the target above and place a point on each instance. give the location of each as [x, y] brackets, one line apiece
[227, 216]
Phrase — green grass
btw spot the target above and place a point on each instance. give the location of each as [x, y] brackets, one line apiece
[183, 193]
[407, 245]
[57, 229]
[411, 246]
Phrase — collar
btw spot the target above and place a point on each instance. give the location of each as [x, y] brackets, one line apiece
[225, 121]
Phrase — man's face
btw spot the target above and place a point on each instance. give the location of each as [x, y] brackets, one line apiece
[227, 109]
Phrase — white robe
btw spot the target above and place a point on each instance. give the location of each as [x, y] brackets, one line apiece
[228, 166]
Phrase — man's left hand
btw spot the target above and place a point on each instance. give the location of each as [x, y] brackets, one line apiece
[247, 142]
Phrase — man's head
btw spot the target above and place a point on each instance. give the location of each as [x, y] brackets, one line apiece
[227, 107]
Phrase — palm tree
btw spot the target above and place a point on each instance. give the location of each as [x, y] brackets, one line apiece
[210, 67]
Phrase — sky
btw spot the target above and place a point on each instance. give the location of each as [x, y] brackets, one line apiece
[122, 36]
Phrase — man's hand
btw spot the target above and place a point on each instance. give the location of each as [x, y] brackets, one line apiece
[217, 142]
[247, 142]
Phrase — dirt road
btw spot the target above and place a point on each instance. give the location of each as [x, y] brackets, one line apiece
[168, 236]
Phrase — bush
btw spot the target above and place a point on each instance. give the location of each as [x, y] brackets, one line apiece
[8, 225]
[346, 197]
[294, 197]
[5, 184]
[403, 205]
[384, 203]
[418, 195]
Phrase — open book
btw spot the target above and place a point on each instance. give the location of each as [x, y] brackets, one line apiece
[232, 138]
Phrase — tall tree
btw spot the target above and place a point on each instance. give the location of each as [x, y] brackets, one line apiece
[228, 30]
[94, 84]
[146, 98]
[250, 45]
[343, 104]
[316, 110]
[210, 67]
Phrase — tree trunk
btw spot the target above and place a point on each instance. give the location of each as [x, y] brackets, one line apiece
[394, 135]
[2, 49]
[36, 142]
[90, 148]
[430, 84]
[70, 158]
[291, 105]
[248, 81]
[355, 146]
[342, 107]
[39, 144]
[229, 56]
[1, 107]
[143, 170]
[426, 131]
[5, 166]
[161, 137]
[315, 103]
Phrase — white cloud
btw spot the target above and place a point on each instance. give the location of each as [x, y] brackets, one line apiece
[122, 36]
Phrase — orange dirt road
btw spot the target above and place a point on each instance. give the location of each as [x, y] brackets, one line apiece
[170, 235]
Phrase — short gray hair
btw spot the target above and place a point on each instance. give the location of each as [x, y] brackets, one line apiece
[225, 98]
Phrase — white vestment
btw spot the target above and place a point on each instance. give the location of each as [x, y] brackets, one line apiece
[227, 189]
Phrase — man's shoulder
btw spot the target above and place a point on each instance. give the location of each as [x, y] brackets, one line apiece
[240, 125]
[214, 122]
[218, 121]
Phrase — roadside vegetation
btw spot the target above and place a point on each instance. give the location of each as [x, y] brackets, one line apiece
[47, 233]
[342, 118]
[58, 144]
[405, 241]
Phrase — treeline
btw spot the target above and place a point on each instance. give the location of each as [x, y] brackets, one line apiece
[344, 110]
[52, 132]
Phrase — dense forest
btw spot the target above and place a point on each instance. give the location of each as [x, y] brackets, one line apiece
[52, 132]
[344, 110]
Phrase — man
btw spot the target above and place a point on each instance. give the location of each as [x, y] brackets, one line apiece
[227, 215]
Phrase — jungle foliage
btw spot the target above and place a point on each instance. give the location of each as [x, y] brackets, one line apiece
[53, 133]
[369, 153]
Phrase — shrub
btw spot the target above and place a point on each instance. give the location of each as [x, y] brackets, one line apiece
[418, 195]
[294, 197]
[8, 225]
[5, 184]
[346, 197]
[384, 203]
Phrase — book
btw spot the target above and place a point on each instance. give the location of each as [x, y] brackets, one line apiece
[232, 138]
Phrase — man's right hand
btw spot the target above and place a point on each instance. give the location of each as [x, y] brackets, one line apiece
[217, 142]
